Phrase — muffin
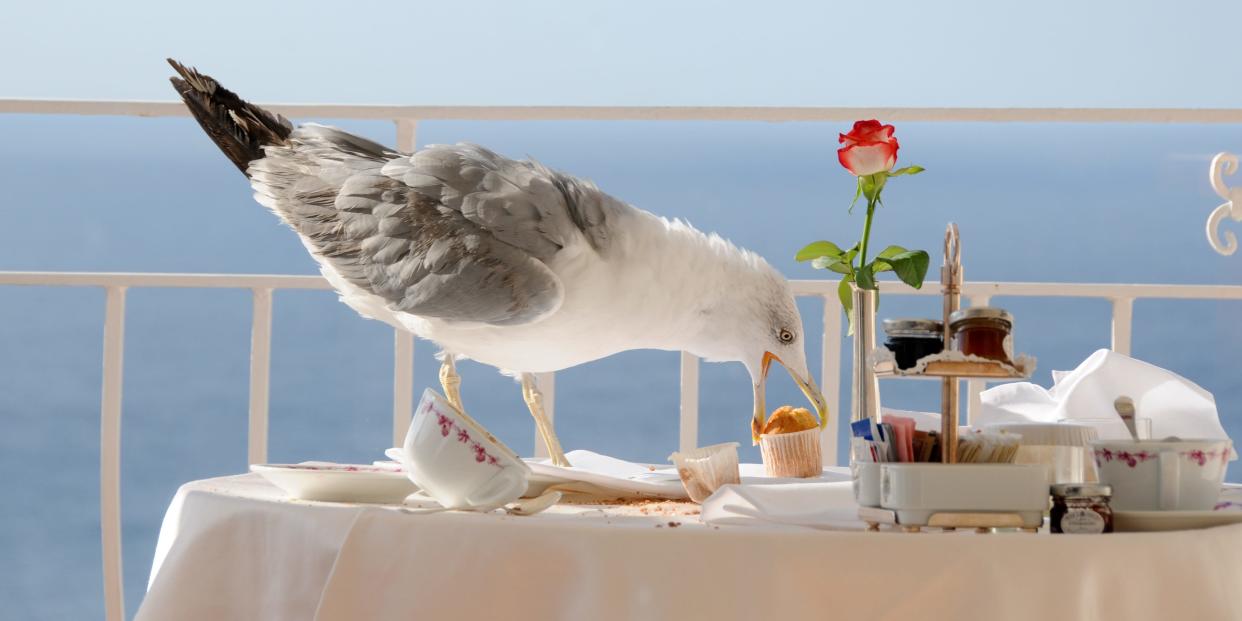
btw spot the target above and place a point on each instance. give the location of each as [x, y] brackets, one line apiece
[789, 442]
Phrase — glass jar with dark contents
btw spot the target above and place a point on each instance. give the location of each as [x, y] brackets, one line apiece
[911, 339]
[983, 331]
[1081, 508]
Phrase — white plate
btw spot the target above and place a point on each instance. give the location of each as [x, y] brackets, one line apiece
[338, 482]
[1136, 521]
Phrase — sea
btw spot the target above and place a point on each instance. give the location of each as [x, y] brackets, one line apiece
[1087, 203]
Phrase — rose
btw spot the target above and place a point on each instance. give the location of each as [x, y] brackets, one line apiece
[869, 148]
[870, 152]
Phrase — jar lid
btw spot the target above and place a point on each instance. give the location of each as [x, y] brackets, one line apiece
[1071, 490]
[913, 326]
[981, 312]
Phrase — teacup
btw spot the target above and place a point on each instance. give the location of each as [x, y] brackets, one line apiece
[1163, 475]
[457, 462]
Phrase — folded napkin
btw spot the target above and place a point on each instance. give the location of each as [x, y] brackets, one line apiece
[828, 505]
[1175, 405]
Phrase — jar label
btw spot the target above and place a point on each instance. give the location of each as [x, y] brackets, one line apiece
[1082, 522]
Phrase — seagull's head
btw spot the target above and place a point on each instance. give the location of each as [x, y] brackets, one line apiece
[754, 319]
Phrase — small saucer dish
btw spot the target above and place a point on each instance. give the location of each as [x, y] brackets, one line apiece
[1148, 521]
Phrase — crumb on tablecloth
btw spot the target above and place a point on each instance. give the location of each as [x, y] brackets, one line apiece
[640, 506]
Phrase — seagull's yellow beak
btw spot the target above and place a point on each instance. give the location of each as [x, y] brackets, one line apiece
[807, 385]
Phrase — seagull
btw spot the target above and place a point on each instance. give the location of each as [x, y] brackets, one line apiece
[502, 261]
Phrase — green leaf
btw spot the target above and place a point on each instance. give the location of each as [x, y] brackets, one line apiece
[815, 250]
[836, 264]
[891, 251]
[864, 277]
[846, 295]
[910, 267]
[908, 170]
[881, 263]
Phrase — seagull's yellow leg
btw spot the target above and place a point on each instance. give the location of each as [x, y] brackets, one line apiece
[534, 401]
[450, 381]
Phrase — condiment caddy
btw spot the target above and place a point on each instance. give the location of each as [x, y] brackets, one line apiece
[951, 495]
[939, 494]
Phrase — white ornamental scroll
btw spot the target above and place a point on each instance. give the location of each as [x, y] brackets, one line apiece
[1224, 164]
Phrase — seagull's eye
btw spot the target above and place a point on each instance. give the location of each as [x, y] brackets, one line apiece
[785, 336]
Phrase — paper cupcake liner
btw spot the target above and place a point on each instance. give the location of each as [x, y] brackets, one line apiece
[704, 470]
[792, 454]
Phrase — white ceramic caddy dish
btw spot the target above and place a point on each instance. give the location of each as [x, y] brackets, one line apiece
[916, 491]
[338, 482]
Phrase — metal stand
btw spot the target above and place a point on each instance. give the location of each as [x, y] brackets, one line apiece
[951, 287]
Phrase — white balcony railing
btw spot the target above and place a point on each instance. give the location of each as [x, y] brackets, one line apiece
[262, 287]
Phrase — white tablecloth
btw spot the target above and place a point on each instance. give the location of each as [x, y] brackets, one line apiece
[232, 548]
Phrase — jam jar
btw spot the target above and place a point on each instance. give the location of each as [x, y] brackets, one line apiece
[983, 331]
[1081, 508]
[911, 339]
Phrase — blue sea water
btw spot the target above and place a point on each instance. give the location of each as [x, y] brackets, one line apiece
[1047, 202]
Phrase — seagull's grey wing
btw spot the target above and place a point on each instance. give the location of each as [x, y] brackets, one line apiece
[411, 249]
[521, 203]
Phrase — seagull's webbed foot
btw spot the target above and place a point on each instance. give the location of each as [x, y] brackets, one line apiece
[450, 381]
[534, 401]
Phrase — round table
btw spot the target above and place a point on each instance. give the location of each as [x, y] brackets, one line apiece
[235, 548]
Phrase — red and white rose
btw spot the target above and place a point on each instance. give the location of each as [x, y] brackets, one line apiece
[869, 148]
[869, 152]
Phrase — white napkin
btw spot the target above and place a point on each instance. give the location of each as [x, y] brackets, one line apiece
[812, 505]
[1175, 405]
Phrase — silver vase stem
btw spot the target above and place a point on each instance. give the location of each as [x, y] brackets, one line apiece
[865, 390]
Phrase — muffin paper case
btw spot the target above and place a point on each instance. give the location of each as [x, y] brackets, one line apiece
[704, 470]
[794, 454]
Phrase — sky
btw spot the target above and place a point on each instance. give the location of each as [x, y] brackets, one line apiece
[1053, 53]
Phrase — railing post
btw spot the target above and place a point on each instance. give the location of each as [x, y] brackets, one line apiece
[403, 342]
[830, 377]
[110, 454]
[688, 438]
[402, 384]
[1123, 316]
[260, 372]
[407, 132]
[547, 385]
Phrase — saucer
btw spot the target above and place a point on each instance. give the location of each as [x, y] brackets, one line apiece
[1143, 521]
[338, 482]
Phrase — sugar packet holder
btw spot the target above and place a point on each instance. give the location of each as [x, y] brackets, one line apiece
[870, 442]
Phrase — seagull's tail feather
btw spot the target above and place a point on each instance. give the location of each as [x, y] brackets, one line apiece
[239, 128]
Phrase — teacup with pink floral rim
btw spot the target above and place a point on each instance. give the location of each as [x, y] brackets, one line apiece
[1163, 475]
[457, 462]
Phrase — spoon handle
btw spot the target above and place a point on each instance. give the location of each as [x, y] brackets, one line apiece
[1125, 409]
